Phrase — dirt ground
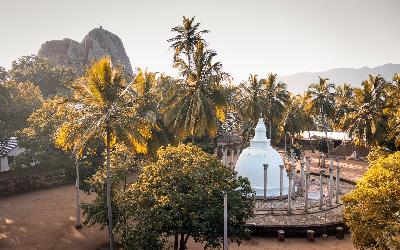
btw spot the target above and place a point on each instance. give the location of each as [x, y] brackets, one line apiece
[45, 219]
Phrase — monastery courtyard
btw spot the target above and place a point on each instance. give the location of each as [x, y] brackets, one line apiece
[45, 219]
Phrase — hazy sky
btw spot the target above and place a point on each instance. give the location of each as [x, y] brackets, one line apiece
[250, 36]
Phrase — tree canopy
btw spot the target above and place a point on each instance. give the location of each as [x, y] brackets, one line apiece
[181, 195]
[372, 210]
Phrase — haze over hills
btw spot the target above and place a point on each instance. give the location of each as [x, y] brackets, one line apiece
[297, 83]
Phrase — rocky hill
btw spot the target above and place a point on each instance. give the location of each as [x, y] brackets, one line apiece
[299, 82]
[96, 44]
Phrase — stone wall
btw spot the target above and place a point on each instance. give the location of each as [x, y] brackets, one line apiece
[30, 179]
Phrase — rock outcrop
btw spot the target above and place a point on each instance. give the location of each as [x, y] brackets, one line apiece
[96, 44]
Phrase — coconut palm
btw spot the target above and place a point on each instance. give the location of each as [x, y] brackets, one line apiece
[276, 96]
[105, 106]
[368, 121]
[151, 97]
[185, 41]
[343, 104]
[195, 105]
[249, 104]
[322, 103]
[296, 119]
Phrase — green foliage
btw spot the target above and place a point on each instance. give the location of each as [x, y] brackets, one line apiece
[372, 210]
[4, 76]
[195, 106]
[124, 166]
[50, 78]
[369, 120]
[296, 119]
[265, 98]
[181, 195]
[17, 102]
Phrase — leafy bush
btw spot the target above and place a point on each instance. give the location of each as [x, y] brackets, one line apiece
[181, 195]
[372, 210]
[377, 153]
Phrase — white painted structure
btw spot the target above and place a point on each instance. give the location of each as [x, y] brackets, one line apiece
[8, 151]
[335, 135]
[251, 160]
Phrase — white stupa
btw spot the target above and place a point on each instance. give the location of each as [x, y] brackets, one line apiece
[251, 160]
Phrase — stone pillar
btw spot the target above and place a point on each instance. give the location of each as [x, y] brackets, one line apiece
[321, 186]
[294, 173]
[265, 180]
[232, 159]
[290, 175]
[337, 182]
[281, 182]
[302, 174]
[308, 162]
[225, 155]
[307, 185]
[330, 183]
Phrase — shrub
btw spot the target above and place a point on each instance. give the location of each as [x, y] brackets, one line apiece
[372, 210]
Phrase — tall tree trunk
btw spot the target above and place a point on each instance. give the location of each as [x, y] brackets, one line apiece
[78, 209]
[108, 179]
[176, 241]
[326, 133]
[182, 245]
[309, 137]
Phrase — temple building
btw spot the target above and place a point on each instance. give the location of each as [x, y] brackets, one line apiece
[251, 164]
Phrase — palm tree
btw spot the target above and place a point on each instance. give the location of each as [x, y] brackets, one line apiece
[368, 121]
[151, 100]
[185, 41]
[249, 104]
[277, 96]
[105, 107]
[344, 95]
[296, 119]
[322, 102]
[195, 106]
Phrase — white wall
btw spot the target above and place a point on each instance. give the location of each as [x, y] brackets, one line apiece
[4, 161]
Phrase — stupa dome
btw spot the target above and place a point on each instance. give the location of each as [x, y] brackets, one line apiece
[251, 160]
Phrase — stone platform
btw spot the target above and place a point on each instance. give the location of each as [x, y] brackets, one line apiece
[271, 215]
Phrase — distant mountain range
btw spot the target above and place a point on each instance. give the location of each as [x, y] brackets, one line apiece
[298, 83]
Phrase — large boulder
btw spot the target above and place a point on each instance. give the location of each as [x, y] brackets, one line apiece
[96, 44]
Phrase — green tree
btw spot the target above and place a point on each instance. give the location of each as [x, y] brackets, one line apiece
[181, 195]
[50, 78]
[195, 106]
[276, 96]
[188, 35]
[322, 103]
[343, 105]
[150, 96]
[105, 105]
[372, 210]
[249, 104]
[17, 102]
[296, 119]
[368, 122]
[4, 76]
[393, 110]
[37, 137]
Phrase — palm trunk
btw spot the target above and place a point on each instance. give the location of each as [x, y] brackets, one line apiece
[108, 179]
[326, 133]
[309, 137]
[78, 209]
